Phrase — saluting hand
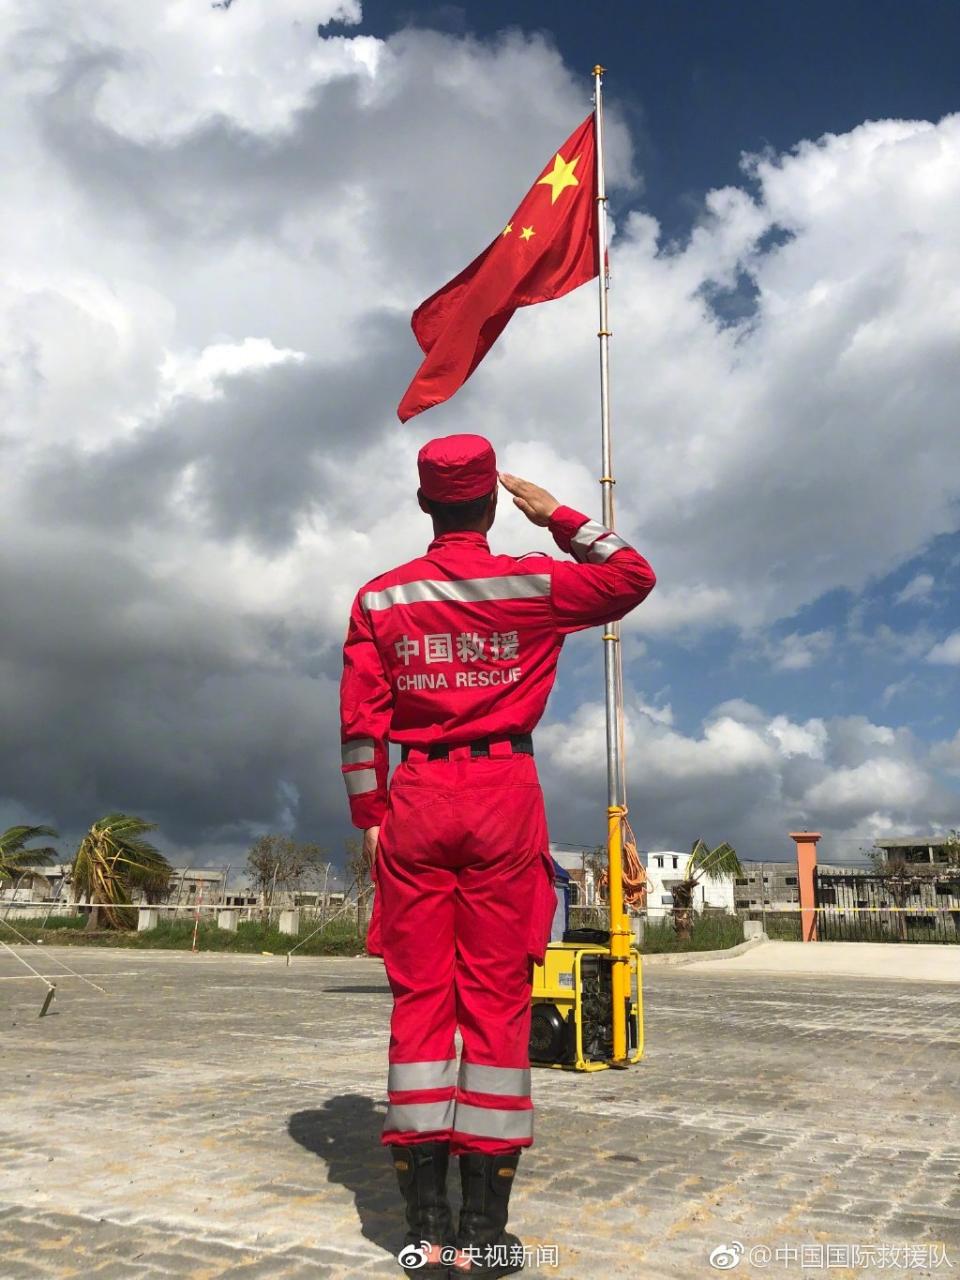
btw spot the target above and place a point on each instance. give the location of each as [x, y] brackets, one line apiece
[536, 504]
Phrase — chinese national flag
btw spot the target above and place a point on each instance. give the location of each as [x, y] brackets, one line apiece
[547, 248]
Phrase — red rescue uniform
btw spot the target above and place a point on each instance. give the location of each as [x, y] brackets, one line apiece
[457, 647]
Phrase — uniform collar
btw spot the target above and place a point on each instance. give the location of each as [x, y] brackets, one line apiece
[460, 537]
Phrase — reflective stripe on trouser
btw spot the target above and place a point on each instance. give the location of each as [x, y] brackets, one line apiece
[466, 900]
[422, 1100]
[494, 1103]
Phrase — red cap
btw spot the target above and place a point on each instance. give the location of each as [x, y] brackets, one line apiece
[457, 468]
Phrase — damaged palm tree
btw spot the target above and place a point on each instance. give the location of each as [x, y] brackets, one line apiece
[704, 863]
[16, 859]
[113, 859]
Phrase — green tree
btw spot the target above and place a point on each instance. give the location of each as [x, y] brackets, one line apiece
[157, 885]
[901, 881]
[279, 863]
[16, 856]
[112, 860]
[952, 846]
[359, 879]
[704, 863]
[596, 861]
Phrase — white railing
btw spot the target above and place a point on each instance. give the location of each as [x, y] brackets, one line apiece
[45, 908]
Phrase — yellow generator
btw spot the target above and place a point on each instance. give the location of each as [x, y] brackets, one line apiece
[571, 1025]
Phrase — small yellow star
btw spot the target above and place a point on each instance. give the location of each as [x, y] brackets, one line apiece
[560, 176]
[526, 233]
[507, 229]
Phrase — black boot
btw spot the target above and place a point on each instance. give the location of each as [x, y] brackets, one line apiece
[422, 1173]
[486, 1250]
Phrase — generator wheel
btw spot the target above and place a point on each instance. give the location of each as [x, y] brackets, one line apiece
[547, 1040]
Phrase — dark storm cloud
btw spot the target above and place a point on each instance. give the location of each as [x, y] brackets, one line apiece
[126, 689]
[120, 690]
[264, 452]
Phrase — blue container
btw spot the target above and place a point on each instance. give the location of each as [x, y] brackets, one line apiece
[561, 918]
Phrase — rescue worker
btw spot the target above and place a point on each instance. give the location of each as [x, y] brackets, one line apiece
[452, 656]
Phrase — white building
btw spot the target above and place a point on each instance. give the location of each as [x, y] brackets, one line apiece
[576, 862]
[665, 868]
[35, 891]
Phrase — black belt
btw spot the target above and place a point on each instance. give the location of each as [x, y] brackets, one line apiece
[521, 743]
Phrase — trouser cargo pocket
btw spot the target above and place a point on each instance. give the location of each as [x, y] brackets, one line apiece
[543, 907]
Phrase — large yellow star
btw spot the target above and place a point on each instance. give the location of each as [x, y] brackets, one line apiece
[560, 176]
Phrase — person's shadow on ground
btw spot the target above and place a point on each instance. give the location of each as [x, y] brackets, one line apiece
[345, 1134]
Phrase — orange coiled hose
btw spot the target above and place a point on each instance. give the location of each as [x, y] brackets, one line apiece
[634, 876]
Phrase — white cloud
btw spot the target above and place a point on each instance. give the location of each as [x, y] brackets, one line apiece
[797, 652]
[727, 746]
[677, 608]
[917, 590]
[947, 652]
[886, 642]
[895, 689]
[875, 784]
[201, 374]
[750, 777]
[809, 739]
[946, 755]
[159, 70]
[81, 354]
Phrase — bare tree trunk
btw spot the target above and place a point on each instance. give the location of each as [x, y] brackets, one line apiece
[683, 923]
[683, 910]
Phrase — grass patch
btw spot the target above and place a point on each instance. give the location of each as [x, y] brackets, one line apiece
[709, 933]
[57, 928]
[340, 938]
[782, 926]
[589, 918]
[54, 922]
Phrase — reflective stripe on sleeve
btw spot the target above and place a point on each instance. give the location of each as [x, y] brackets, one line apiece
[487, 1122]
[517, 586]
[357, 751]
[360, 781]
[605, 547]
[593, 544]
[441, 1074]
[512, 1081]
[419, 1117]
[585, 536]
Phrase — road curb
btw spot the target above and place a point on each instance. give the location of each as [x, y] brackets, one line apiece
[663, 958]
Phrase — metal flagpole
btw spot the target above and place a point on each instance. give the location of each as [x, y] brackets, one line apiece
[613, 678]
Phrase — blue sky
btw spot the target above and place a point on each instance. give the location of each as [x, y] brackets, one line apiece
[702, 81]
[221, 221]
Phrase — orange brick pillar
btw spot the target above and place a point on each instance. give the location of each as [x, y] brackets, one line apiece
[806, 842]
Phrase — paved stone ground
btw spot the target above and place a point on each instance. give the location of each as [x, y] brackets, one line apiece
[216, 1118]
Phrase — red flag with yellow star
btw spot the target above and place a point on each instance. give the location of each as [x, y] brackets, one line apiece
[547, 248]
